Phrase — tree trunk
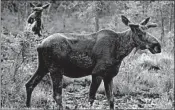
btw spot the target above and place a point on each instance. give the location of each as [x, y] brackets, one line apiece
[143, 7]
[171, 16]
[22, 12]
[64, 24]
[96, 23]
[19, 18]
[96, 17]
[162, 28]
[64, 20]
[162, 23]
[116, 22]
[26, 13]
[47, 13]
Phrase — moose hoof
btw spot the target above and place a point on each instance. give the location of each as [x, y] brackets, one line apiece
[60, 107]
[91, 101]
[28, 105]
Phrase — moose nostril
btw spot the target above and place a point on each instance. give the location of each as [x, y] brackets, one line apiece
[157, 49]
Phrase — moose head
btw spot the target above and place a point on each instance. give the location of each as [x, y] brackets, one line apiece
[35, 17]
[143, 40]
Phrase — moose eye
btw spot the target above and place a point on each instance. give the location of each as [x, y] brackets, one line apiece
[140, 36]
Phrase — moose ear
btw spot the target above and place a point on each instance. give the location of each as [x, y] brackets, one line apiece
[45, 6]
[145, 21]
[125, 20]
[151, 25]
[32, 5]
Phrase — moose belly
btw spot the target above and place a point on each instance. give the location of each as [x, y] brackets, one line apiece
[76, 72]
[79, 65]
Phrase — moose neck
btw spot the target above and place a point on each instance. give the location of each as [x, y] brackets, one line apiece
[125, 44]
[126, 38]
[38, 15]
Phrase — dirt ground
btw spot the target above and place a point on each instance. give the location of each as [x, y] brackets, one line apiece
[75, 96]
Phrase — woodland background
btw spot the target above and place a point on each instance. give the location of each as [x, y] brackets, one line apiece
[144, 80]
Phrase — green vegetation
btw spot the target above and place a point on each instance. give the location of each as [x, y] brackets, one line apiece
[144, 80]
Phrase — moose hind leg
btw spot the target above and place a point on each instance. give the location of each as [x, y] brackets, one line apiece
[57, 77]
[108, 83]
[96, 81]
[32, 83]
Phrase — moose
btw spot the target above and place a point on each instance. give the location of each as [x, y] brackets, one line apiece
[35, 18]
[98, 54]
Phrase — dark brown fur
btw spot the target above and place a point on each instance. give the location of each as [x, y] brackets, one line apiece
[99, 54]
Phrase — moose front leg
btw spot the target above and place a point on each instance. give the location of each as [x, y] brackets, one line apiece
[108, 83]
[101, 66]
[100, 70]
[57, 77]
[96, 81]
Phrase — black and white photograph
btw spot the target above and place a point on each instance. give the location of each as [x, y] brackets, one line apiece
[95, 54]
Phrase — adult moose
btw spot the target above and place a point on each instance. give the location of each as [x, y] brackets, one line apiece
[35, 17]
[98, 54]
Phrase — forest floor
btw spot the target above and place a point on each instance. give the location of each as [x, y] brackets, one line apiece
[75, 96]
[79, 99]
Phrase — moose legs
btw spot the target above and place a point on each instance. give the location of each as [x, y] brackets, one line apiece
[96, 81]
[108, 83]
[57, 77]
[101, 70]
[32, 83]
